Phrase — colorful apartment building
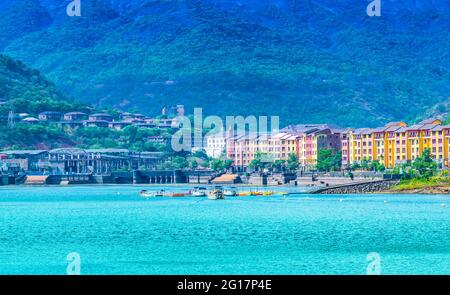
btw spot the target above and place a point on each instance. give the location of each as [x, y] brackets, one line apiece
[396, 143]
[304, 141]
[282, 144]
[243, 148]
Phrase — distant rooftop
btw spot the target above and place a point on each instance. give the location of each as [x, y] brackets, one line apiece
[24, 152]
[111, 150]
[50, 113]
[414, 127]
[430, 121]
[75, 113]
[362, 131]
[30, 119]
[100, 114]
[378, 129]
[309, 128]
[440, 127]
[392, 128]
[96, 121]
[399, 124]
[427, 126]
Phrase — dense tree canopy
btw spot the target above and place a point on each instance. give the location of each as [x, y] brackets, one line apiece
[329, 160]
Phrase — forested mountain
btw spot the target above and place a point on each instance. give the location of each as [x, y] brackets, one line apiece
[305, 60]
[27, 91]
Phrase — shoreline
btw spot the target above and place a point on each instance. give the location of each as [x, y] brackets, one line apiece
[422, 191]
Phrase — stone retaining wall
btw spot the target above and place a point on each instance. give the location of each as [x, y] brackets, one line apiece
[358, 188]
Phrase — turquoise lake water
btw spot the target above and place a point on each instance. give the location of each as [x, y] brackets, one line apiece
[116, 232]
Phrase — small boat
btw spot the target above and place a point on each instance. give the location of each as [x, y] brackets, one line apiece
[244, 194]
[268, 193]
[199, 192]
[146, 194]
[216, 194]
[230, 192]
[174, 195]
[256, 193]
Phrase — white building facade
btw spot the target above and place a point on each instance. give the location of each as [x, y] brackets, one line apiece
[215, 145]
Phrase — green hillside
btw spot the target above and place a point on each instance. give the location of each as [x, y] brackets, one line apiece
[27, 91]
[306, 60]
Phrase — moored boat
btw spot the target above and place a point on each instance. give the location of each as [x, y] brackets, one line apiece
[199, 192]
[256, 193]
[147, 194]
[174, 195]
[216, 193]
[244, 194]
[230, 192]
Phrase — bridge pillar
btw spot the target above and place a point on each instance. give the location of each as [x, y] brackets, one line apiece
[137, 177]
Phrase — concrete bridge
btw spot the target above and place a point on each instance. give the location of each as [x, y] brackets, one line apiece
[5, 179]
[159, 177]
[134, 177]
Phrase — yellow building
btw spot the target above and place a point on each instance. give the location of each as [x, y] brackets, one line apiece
[283, 144]
[361, 145]
[396, 143]
[391, 145]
